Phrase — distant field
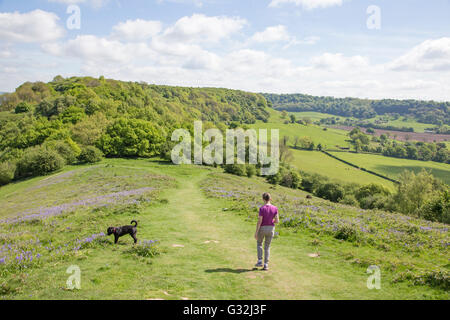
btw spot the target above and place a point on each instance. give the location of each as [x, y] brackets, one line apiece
[317, 162]
[393, 167]
[315, 116]
[405, 136]
[401, 122]
[329, 138]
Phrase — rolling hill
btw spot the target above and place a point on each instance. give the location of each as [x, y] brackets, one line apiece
[195, 227]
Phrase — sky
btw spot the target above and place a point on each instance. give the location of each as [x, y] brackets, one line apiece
[343, 48]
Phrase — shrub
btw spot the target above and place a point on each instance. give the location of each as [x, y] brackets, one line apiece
[330, 191]
[69, 151]
[310, 182]
[236, 169]
[146, 249]
[7, 170]
[371, 190]
[23, 107]
[350, 200]
[437, 209]
[291, 179]
[90, 154]
[377, 201]
[38, 161]
[251, 170]
[345, 233]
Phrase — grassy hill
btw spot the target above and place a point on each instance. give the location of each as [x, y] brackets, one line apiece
[204, 221]
[329, 138]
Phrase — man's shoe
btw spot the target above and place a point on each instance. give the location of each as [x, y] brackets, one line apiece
[266, 267]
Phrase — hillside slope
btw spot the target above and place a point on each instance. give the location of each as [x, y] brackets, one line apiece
[204, 221]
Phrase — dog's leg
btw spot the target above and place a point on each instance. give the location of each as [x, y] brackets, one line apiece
[116, 238]
[133, 235]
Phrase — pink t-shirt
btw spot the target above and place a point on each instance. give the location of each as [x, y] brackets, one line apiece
[268, 212]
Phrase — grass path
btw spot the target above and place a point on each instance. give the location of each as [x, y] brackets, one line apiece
[193, 268]
[224, 269]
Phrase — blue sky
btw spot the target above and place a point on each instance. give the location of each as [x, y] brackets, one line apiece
[320, 47]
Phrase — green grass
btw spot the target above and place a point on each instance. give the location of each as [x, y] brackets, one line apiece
[316, 116]
[393, 167]
[320, 163]
[401, 122]
[183, 218]
[329, 138]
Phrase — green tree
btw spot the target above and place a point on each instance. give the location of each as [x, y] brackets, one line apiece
[38, 161]
[90, 154]
[414, 191]
[7, 170]
[330, 191]
[132, 138]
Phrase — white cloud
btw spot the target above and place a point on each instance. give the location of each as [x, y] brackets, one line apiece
[430, 55]
[272, 34]
[307, 4]
[36, 26]
[200, 28]
[136, 30]
[337, 61]
[199, 50]
[106, 51]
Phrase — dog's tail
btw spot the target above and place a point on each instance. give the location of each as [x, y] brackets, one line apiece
[135, 223]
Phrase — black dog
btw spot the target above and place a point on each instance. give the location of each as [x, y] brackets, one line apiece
[121, 231]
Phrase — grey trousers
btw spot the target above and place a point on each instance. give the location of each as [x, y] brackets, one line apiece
[265, 234]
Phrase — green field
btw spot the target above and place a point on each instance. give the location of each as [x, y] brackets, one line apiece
[320, 163]
[330, 139]
[317, 116]
[393, 167]
[402, 122]
[204, 221]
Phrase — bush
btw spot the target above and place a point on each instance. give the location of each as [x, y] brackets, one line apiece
[146, 249]
[437, 209]
[291, 179]
[251, 170]
[377, 201]
[346, 233]
[310, 182]
[236, 169]
[330, 191]
[350, 200]
[68, 151]
[7, 170]
[90, 154]
[286, 177]
[23, 107]
[38, 161]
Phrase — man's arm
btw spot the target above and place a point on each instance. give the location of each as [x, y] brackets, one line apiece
[258, 226]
